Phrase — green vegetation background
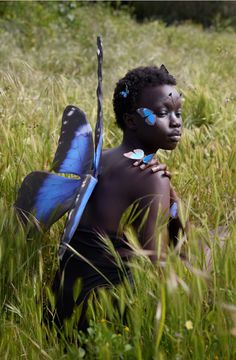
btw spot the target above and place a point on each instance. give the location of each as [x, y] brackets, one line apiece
[47, 61]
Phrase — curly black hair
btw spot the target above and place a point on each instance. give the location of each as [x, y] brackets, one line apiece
[129, 88]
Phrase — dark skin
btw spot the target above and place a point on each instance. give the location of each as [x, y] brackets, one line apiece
[121, 184]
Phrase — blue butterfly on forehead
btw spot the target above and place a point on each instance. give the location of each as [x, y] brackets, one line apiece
[44, 197]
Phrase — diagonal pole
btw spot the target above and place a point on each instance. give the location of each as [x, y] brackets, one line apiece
[99, 124]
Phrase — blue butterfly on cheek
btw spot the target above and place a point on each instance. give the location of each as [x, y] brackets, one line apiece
[148, 115]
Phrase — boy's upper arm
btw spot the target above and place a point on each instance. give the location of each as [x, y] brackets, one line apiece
[154, 194]
[153, 190]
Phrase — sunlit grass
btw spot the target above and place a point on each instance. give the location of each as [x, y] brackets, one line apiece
[183, 311]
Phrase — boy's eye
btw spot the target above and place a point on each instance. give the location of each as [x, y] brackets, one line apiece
[161, 113]
[164, 113]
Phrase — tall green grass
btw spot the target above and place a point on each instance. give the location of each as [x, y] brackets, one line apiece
[183, 311]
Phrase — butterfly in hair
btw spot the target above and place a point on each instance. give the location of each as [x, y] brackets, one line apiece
[125, 92]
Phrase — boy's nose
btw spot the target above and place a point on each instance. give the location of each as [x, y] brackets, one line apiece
[174, 120]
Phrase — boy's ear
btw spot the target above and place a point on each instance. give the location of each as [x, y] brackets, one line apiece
[129, 121]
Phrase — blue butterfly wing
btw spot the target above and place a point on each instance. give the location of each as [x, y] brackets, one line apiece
[87, 186]
[97, 156]
[148, 158]
[45, 197]
[175, 226]
[150, 117]
[136, 154]
[174, 210]
[75, 151]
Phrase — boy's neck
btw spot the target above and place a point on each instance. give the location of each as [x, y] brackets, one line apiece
[130, 142]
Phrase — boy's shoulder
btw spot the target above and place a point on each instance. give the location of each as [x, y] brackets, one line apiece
[146, 182]
[131, 179]
[138, 183]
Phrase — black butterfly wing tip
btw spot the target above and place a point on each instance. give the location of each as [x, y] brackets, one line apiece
[71, 109]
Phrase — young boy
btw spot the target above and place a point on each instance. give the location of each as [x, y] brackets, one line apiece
[147, 107]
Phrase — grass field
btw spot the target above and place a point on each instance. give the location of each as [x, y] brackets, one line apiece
[47, 61]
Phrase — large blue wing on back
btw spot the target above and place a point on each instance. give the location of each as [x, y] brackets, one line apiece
[75, 151]
[88, 181]
[87, 186]
[45, 197]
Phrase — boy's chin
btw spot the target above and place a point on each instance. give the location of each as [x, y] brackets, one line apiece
[171, 146]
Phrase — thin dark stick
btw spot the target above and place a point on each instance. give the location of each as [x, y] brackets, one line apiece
[99, 124]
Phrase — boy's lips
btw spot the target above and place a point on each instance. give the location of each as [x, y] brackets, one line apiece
[175, 136]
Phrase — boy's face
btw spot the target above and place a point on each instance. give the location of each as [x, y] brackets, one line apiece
[165, 132]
